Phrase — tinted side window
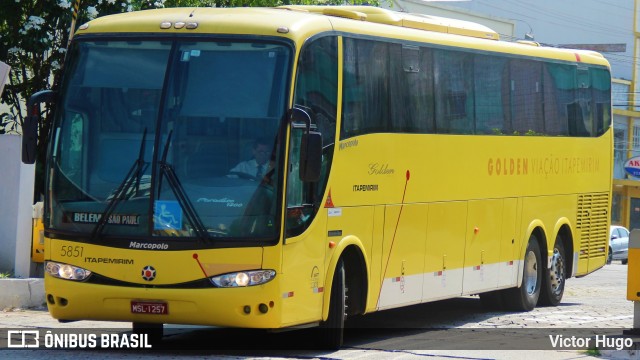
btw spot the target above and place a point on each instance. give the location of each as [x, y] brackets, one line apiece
[601, 93]
[526, 97]
[366, 87]
[491, 75]
[454, 98]
[394, 87]
[411, 89]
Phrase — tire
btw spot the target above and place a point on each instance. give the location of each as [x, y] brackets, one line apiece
[554, 279]
[154, 332]
[525, 297]
[332, 330]
[610, 257]
[624, 261]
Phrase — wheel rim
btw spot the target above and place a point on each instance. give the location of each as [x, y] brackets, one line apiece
[531, 273]
[557, 272]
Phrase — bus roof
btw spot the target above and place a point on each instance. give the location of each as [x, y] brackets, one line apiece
[298, 23]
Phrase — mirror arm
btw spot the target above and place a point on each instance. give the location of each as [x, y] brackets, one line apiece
[36, 99]
[299, 112]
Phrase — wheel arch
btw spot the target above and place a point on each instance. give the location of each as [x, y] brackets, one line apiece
[537, 229]
[353, 254]
[563, 231]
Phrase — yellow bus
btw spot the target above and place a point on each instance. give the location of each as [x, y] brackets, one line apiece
[289, 167]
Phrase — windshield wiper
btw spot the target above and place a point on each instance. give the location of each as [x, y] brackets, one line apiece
[191, 214]
[134, 174]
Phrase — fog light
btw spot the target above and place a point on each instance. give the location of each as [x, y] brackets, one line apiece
[263, 308]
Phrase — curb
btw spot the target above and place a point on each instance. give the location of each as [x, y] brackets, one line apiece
[21, 293]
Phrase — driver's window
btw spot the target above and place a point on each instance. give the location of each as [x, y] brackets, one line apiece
[316, 90]
[317, 84]
[299, 205]
[70, 156]
[295, 185]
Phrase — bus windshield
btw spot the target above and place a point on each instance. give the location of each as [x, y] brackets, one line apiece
[169, 138]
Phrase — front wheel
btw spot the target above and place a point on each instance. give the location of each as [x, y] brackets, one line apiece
[554, 280]
[525, 297]
[332, 330]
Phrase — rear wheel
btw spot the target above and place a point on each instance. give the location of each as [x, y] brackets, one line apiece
[332, 330]
[610, 256]
[525, 297]
[554, 279]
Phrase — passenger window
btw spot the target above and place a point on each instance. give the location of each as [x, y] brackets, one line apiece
[366, 83]
[454, 92]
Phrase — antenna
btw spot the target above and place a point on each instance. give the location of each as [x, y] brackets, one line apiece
[529, 36]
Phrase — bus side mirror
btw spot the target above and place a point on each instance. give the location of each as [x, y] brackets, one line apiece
[310, 156]
[30, 126]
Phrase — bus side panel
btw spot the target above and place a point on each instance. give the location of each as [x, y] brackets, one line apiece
[444, 256]
[375, 260]
[404, 246]
[507, 266]
[482, 250]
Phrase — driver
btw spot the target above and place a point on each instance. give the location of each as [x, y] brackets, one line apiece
[258, 165]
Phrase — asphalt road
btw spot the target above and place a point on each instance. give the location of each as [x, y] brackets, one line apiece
[593, 307]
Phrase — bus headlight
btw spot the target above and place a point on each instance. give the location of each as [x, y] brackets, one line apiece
[243, 278]
[65, 271]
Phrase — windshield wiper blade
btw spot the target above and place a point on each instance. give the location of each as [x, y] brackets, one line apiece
[134, 174]
[191, 214]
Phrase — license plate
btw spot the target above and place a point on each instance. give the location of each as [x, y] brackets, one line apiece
[149, 307]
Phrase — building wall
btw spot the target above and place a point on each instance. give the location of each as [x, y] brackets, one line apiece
[16, 197]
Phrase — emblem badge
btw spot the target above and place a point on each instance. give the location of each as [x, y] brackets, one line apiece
[148, 273]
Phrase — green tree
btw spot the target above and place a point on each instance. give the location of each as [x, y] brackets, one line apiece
[33, 39]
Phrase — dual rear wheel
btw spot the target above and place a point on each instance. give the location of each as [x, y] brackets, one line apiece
[540, 285]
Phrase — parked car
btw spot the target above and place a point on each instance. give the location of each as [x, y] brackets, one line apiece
[618, 244]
